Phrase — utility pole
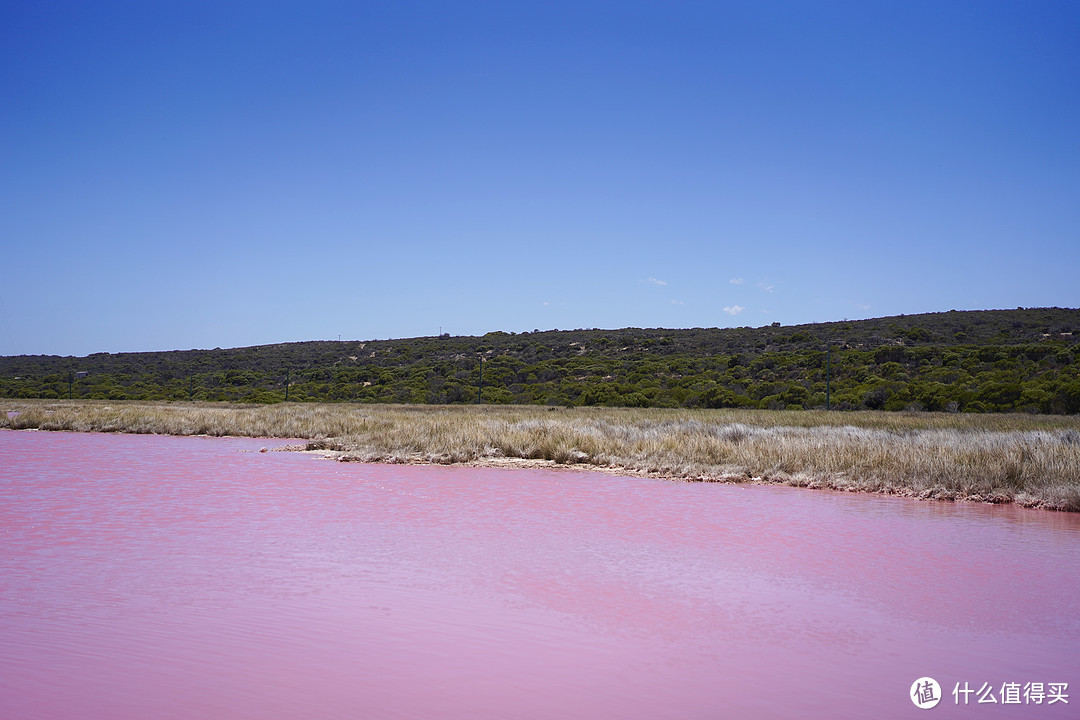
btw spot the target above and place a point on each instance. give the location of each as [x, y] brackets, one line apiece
[286, 384]
[480, 385]
[828, 373]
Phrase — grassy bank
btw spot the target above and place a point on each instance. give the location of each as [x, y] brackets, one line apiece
[1029, 459]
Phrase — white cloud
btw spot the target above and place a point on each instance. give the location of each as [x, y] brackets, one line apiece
[862, 307]
[545, 303]
[766, 286]
[654, 281]
[677, 302]
[736, 281]
[734, 309]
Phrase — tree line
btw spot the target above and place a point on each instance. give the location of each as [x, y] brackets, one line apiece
[971, 361]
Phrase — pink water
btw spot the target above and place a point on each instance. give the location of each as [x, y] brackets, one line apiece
[149, 576]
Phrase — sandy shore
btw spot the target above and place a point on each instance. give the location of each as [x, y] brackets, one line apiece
[802, 480]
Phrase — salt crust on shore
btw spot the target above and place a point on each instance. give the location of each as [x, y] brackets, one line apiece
[800, 480]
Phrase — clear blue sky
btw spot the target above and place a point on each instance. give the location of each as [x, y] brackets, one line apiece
[218, 174]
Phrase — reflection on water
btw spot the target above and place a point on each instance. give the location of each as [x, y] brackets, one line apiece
[148, 576]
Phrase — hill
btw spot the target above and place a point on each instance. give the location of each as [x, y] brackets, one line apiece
[974, 361]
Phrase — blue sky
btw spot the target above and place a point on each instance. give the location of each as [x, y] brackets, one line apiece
[221, 174]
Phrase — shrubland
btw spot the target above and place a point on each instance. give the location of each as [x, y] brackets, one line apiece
[1024, 360]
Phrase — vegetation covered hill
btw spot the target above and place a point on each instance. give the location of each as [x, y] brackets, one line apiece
[975, 361]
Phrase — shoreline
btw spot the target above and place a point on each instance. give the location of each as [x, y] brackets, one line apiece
[1032, 461]
[803, 482]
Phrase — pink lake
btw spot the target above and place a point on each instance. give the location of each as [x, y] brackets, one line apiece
[166, 577]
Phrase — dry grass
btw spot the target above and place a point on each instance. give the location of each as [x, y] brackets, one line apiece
[1031, 460]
